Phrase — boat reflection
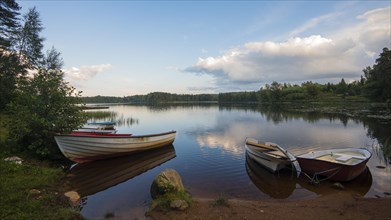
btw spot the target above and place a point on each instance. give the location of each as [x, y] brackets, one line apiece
[90, 178]
[359, 186]
[284, 183]
[278, 185]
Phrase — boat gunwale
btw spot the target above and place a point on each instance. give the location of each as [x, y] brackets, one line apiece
[116, 137]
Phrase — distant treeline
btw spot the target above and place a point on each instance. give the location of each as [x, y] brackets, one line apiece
[375, 85]
[274, 93]
[155, 97]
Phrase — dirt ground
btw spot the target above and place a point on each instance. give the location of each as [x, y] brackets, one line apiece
[336, 206]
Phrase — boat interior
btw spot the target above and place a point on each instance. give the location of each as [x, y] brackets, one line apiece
[344, 157]
[265, 148]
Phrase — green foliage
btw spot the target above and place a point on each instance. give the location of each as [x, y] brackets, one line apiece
[44, 105]
[10, 71]
[17, 201]
[163, 202]
[8, 22]
[30, 43]
[52, 60]
[378, 78]
[221, 202]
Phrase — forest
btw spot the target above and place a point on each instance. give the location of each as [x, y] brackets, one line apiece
[373, 86]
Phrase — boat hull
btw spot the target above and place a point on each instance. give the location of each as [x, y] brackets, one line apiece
[84, 148]
[334, 170]
[261, 155]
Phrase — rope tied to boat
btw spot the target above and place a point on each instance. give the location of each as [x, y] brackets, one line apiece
[315, 179]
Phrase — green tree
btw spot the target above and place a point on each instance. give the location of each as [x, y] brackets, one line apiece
[342, 87]
[10, 70]
[52, 60]
[9, 23]
[312, 89]
[378, 78]
[30, 43]
[45, 105]
[10, 67]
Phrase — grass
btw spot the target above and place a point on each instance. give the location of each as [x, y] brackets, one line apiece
[100, 115]
[220, 202]
[17, 199]
[31, 190]
[162, 203]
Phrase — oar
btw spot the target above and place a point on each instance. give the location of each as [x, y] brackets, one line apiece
[291, 157]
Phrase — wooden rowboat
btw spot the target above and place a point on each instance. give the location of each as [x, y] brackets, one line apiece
[98, 127]
[335, 164]
[270, 155]
[82, 148]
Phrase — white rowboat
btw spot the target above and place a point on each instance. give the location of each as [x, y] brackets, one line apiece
[270, 155]
[83, 148]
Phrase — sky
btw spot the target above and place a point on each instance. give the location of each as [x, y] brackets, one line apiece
[124, 48]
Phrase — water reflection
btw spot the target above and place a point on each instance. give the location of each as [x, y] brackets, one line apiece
[111, 116]
[90, 178]
[211, 160]
[358, 186]
[276, 185]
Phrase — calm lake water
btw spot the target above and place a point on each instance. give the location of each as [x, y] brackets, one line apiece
[209, 154]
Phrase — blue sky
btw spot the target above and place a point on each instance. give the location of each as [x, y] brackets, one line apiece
[121, 48]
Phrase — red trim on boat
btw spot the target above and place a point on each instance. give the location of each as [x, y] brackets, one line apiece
[96, 134]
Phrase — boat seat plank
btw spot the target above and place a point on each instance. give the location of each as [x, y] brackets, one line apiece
[263, 145]
[343, 158]
[276, 154]
[359, 157]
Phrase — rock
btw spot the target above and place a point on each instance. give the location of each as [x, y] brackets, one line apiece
[14, 159]
[179, 205]
[338, 186]
[34, 192]
[168, 181]
[74, 197]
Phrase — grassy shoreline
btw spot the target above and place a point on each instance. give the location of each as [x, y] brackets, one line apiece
[33, 191]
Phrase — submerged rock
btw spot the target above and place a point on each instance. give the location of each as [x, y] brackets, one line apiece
[168, 181]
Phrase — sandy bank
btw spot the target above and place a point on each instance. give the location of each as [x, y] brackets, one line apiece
[336, 206]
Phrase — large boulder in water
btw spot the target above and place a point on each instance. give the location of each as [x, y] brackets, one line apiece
[168, 181]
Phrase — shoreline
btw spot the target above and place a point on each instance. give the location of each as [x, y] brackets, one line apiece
[342, 205]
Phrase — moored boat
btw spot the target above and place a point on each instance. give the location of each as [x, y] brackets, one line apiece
[98, 127]
[270, 155]
[86, 147]
[335, 164]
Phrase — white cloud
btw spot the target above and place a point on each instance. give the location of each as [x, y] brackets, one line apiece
[85, 72]
[344, 53]
[313, 23]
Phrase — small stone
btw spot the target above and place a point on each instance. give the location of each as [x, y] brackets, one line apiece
[179, 205]
[338, 186]
[14, 159]
[73, 196]
[34, 192]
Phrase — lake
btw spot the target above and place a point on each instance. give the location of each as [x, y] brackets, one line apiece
[209, 154]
